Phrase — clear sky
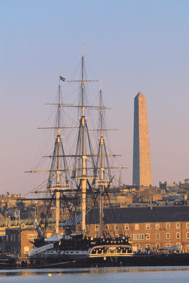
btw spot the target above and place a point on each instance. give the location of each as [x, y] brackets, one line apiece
[130, 46]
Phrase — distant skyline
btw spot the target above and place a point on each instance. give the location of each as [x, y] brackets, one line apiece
[130, 46]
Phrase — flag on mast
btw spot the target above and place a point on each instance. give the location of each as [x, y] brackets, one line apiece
[62, 79]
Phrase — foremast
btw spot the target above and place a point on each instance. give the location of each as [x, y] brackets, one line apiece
[55, 171]
[58, 187]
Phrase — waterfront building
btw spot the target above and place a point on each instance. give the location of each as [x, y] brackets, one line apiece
[19, 241]
[148, 227]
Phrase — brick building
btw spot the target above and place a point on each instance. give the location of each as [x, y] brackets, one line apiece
[147, 227]
[19, 241]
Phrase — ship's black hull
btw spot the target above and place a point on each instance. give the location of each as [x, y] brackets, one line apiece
[131, 261]
[145, 260]
[137, 260]
[7, 261]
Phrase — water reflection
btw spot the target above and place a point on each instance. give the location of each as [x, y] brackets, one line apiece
[83, 271]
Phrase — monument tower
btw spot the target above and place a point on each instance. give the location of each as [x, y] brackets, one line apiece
[142, 175]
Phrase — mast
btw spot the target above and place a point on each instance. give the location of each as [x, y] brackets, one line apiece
[101, 161]
[57, 189]
[102, 153]
[55, 183]
[83, 180]
[81, 147]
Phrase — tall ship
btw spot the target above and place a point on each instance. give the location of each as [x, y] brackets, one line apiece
[83, 180]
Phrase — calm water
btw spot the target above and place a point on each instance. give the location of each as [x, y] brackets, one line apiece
[133, 275]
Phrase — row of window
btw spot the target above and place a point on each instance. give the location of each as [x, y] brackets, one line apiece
[135, 237]
[137, 226]
[13, 250]
[157, 245]
[147, 236]
[157, 226]
[12, 237]
[32, 236]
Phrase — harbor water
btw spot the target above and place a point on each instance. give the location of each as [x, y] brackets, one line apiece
[133, 275]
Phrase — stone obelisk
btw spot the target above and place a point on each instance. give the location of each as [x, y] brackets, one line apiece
[142, 175]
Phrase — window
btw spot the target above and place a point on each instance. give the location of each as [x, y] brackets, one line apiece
[168, 245]
[158, 246]
[136, 226]
[127, 227]
[178, 244]
[148, 236]
[138, 246]
[34, 236]
[187, 236]
[96, 227]
[87, 228]
[167, 225]
[116, 227]
[177, 225]
[137, 237]
[157, 236]
[157, 226]
[106, 227]
[26, 249]
[187, 225]
[15, 250]
[147, 226]
[148, 246]
[178, 235]
[167, 236]
[11, 237]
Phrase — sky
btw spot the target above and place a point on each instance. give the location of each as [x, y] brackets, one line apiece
[130, 46]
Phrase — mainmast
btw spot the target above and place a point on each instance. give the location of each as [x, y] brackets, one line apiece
[81, 147]
[84, 179]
